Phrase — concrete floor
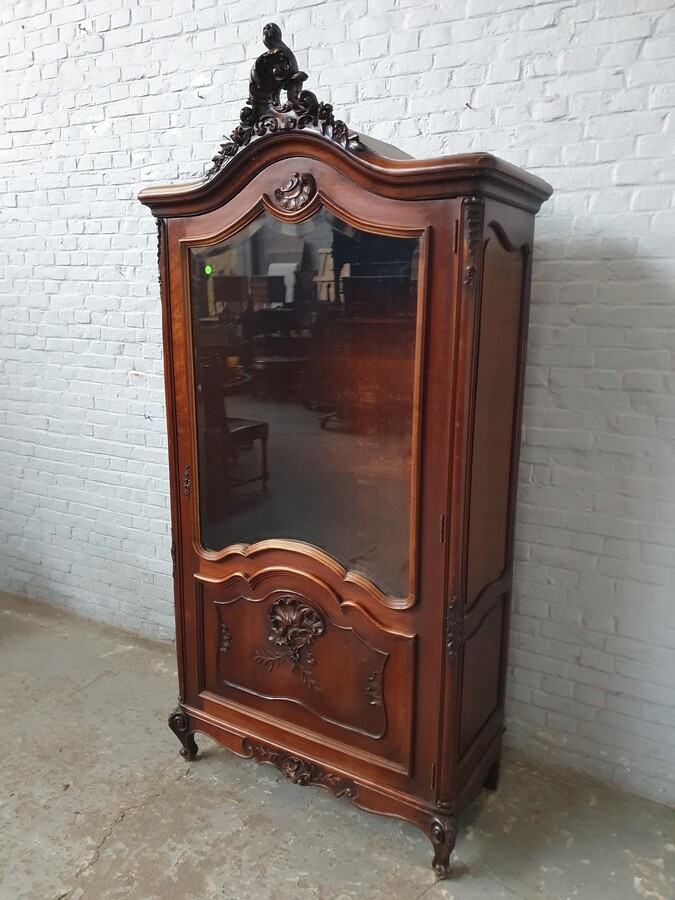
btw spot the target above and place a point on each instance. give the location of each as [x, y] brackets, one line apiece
[95, 802]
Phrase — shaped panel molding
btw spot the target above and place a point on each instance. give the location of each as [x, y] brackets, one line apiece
[308, 656]
[283, 644]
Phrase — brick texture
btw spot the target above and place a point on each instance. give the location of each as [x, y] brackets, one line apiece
[102, 97]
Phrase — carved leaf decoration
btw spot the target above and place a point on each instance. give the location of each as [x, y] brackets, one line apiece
[265, 113]
[474, 213]
[374, 689]
[308, 679]
[160, 236]
[269, 660]
[225, 638]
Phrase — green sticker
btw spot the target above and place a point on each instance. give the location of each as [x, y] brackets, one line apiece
[208, 270]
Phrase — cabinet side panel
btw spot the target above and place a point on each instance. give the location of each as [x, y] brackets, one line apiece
[495, 407]
[480, 682]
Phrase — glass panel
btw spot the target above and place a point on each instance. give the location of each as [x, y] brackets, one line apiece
[304, 347]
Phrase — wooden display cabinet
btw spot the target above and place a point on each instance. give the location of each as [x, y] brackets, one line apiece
[344, 440]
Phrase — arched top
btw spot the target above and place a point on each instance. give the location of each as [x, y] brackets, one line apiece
[404, 179]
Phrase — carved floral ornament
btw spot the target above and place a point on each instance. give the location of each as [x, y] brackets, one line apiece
[294, 625]
[265, 113]
[474, 220]
[299, 771]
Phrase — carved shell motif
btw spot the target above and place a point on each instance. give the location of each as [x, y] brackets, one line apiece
[296, 193]
[294, 623]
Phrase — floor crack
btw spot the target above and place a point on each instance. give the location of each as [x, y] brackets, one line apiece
[504, 885]
[83, 870]
[426, 891]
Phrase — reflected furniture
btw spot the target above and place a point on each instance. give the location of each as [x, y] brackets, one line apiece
[230, 434]
[241, 434]
[349, 625]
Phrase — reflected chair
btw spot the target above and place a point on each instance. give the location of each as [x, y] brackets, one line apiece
[241, 433]
[224, 437]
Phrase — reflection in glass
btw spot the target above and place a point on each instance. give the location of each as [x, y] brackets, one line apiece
[304, 346]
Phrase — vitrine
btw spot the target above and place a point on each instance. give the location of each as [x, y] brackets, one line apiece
[344, 338]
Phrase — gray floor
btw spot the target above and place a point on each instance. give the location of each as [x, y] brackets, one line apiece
[95, 802]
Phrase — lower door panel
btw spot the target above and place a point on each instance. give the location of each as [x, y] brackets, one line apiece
[290, 651]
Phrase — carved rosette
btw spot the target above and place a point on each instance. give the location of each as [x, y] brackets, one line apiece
[294, 625]
[265, 113]
[473, 227]
[298, 770]
[296, 193]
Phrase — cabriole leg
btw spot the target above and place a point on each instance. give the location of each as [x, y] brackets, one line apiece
[180, 725]
[443, 837]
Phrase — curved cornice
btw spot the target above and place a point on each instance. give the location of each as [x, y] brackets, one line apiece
[407, 179]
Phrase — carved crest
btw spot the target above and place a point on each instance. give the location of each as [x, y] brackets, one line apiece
[296, 193]
[265, 113]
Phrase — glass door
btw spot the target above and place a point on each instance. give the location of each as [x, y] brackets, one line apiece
[304, 343]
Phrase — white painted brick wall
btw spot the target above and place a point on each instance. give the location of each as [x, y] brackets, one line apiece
[102, 97]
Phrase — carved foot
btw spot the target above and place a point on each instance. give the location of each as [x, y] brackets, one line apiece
[180, 725]
[492, 778]
[443, 836]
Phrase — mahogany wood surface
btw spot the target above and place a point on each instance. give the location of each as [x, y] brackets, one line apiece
[286, 655]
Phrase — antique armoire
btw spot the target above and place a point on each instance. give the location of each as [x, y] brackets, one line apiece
[344, 347]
